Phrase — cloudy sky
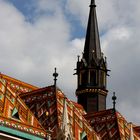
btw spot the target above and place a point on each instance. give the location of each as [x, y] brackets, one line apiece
[38, 35]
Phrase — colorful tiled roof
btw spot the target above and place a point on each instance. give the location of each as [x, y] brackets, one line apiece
[79, 107]
[78, 123]
[42, 102]
[125, 128]
[16, 85]
[137, 130]
[15, 114]
[49, 102]
[44, 111]
[110, 124]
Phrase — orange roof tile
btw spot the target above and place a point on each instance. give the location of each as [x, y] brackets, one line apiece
[11, 104]
[17, 85]
[110, 124]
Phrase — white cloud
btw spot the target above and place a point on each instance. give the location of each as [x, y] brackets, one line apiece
[31, 51]
[78, 9]
[119, 27]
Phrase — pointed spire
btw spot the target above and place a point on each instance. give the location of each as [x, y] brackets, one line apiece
[131, 132]
[92, 43]
[65, 121]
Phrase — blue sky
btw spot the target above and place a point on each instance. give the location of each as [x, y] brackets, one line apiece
[38, 35]
[29, 8]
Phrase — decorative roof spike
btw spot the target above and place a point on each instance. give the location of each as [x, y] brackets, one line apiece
[114, 100]
[131, 132]
[93, 3]
[65, 121]
[55, 75]
[92, 49]
[49, 134]
[78, 58]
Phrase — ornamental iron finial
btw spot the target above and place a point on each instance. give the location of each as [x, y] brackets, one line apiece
[92, 3]
[78, 58]
[55, 75]
[114, 100]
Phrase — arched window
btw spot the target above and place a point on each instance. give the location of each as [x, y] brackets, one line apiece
[93, 78]
[84, 77]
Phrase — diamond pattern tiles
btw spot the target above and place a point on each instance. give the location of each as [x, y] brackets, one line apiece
[15, 114]
[47, 104]
[110, 124]
[17, 86]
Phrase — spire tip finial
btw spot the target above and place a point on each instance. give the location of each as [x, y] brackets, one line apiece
[55, 75]
[92, 3]
[78, 58]
[114, 100]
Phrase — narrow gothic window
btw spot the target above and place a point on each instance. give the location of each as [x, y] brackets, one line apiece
[103, 80]
[93, 78]
[84, 77]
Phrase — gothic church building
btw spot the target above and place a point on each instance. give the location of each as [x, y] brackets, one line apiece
[28, 112]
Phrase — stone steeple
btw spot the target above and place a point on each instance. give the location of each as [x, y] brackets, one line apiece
[92, 69]
[92, 48]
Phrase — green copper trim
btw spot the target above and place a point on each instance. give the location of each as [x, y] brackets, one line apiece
[19, 133]
[14, 111]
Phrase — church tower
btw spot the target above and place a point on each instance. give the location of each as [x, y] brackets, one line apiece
[92, 69]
